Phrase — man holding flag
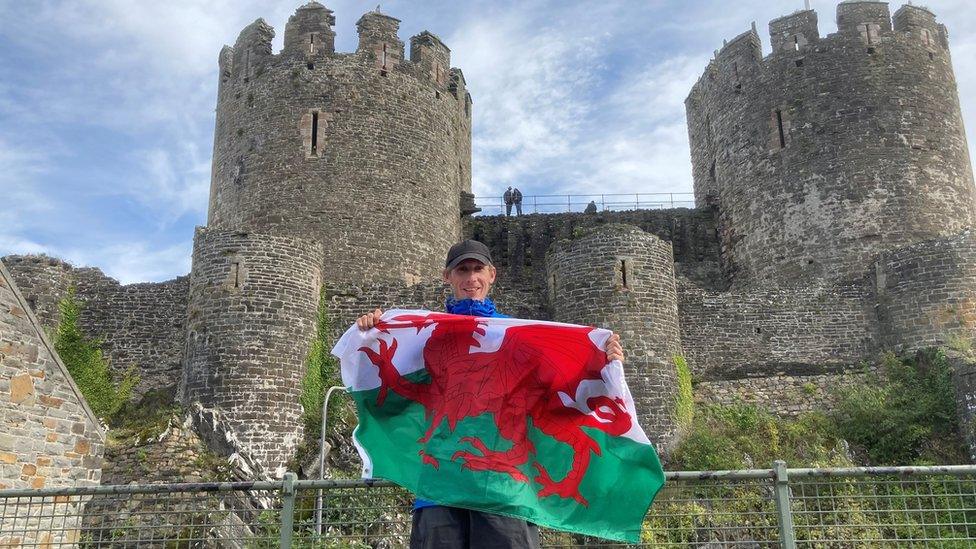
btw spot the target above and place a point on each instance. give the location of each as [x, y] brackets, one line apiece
[476, 395]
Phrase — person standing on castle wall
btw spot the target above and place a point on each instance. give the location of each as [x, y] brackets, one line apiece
[470, 273]
[517, 199]
[509, 199]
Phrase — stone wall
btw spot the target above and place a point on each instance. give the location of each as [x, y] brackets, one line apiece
[251, 319]
[622, 278]
[519, 244]
[927, 293]
[367, 152]
[784, 395]
[48, 436]
[798, 330]
[831, 150]
[140, 326]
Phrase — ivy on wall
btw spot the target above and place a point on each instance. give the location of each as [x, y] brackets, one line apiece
[87, 365]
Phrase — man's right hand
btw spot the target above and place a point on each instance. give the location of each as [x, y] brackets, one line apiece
[369, 320]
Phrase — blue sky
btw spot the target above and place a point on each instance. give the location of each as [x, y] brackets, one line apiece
[107, 106]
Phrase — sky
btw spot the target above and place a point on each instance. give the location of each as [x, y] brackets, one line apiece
[107, 106]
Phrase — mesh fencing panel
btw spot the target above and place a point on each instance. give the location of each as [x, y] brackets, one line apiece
[903, 507]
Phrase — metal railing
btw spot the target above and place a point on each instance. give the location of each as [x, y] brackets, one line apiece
[778, 507]
[558, 203]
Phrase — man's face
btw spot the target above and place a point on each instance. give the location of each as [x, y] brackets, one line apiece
[470, 279]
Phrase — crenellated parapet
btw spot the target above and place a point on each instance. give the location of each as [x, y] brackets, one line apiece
[831, 150]
[796, 32]
[309, 32]
[378, 35]
[326, 145]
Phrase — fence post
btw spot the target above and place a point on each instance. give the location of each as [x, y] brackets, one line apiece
[287, 510]
[783, 509]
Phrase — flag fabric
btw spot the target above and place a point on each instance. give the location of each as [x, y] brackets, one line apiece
[515, 417]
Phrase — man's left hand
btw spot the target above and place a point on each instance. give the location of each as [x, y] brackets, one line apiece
[614, 350]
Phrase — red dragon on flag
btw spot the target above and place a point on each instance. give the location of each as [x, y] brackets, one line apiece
[484, 394]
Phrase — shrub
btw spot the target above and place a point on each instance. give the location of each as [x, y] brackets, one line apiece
[905, 416]
[743, 436]
[87, 365]
[684, 409]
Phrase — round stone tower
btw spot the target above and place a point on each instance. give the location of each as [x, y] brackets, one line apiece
[831, 150]
[622, 278]
[251, 319]
[367, 153]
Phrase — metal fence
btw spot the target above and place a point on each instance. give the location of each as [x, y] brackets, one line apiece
[779, 507]
[557, 203]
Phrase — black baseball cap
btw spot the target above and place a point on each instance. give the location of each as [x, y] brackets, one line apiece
[468, 249]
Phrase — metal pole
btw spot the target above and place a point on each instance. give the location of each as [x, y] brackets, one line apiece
[325, 416]
[569, 202]
[287, 510]
[783, 510]
[535, 204]
[672, 199]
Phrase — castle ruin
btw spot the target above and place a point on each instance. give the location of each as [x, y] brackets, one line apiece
[834, 203]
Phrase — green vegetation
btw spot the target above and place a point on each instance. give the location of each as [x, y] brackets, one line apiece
[904, 416]
[322, 372]
[87, 365]
[742, 436]
[684, 406]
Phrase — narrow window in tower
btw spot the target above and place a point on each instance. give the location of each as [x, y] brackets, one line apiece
[711, 172]
[623, 273]
[311, 43]
[735, 69]
[384, 56]
[552, 285]
[796, 43]
[235, 274]
[926, 37]
[315, 132]
[247, 65]
[779, 126]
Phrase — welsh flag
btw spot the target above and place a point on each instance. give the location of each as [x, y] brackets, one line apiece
[514, 417]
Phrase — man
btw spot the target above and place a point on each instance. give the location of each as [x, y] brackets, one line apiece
[517, 199]
[470, 273]
[508, 198]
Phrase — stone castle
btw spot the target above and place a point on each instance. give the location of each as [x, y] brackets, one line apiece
[834, 199]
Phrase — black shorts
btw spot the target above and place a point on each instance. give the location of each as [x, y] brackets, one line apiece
[441, 527]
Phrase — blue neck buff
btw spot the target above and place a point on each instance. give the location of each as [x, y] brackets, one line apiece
[471, 307]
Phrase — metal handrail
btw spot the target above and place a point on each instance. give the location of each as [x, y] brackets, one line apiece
[603, 202]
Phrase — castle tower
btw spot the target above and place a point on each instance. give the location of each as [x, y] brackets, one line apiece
[251, 319]
[367, 153]
[622, 278]
[832, 149]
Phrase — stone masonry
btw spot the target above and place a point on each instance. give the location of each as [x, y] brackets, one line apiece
[251, 320]
[49, 437]
[141, 326]
[833, 149]
[367, 152]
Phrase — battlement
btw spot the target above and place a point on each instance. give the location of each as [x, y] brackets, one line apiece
[794, 32]
[310, 38]
[863, 16]
[309, 31]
